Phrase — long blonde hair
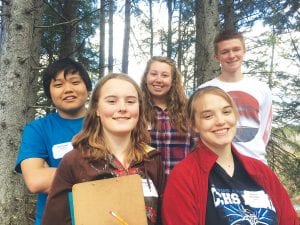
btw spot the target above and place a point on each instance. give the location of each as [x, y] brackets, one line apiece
[90, 140]
[176, 98]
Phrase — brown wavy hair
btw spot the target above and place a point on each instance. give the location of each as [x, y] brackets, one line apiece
[90, 141]
[176, 98]
[226, 35]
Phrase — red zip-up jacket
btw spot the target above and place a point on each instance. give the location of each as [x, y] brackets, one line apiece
[185, 195]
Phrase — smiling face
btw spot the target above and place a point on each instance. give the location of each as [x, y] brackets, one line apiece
[118, 107]
[230, 54]
[215, 121]
[69, 94]
[159, 80]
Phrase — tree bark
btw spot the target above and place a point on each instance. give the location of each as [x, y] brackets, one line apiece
[1, 23]
[169, 35]
[179, 49]
[111, 36]
[126, 37]
[68, 45]
[102, 39]
[18, 87]
[151, 28]
[229, 17]
[207, 26]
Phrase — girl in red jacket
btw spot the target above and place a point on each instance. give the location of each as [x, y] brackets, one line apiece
[217, 185]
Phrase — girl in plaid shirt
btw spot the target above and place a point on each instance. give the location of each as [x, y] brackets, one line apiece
[165, 101]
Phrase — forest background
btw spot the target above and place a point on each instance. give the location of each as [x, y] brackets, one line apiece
[33, 33]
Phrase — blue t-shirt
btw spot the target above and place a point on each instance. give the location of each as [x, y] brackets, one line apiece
[48, 138]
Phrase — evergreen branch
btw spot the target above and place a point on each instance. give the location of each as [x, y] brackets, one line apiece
[58, 24]
[5, 1]
[5, 14]
[73, 21]
[294, 45]
[50, 6]
[87, 15]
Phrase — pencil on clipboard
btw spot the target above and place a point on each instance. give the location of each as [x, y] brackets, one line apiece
[120, 219]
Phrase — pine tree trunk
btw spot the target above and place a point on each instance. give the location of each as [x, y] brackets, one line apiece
[206, 28]
[229, 17]
[102, 39]
[18, 88]
[179, 49]
[111, 37]
[68, 45]
[169, 35]
[151, 28]
[126, 37]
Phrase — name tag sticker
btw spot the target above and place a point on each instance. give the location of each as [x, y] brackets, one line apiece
[149, 188]
[258, 199]
[60, 150]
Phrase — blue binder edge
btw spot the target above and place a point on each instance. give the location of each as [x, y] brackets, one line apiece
[71, 207]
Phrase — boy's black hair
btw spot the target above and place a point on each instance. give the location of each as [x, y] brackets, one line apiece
[68, 66]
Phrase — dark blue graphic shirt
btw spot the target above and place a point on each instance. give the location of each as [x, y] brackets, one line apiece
[237, 200]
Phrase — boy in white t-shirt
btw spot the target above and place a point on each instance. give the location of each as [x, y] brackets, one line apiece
[252, 97]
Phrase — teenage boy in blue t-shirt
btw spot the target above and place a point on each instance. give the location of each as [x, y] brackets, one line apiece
[46, 140]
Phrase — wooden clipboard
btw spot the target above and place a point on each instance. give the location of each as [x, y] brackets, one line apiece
[93, 201]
